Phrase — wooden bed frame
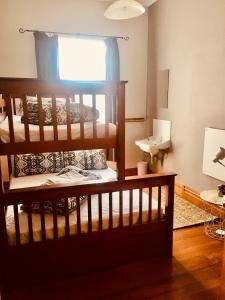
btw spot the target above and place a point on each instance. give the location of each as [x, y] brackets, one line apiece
[72, 255]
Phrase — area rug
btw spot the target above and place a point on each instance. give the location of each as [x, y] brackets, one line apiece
[187, 214]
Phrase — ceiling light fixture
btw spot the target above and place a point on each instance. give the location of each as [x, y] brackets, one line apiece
[124, 9]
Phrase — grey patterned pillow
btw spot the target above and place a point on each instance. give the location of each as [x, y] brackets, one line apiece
[32, 111]
[61, 112]
[60, 206]
[54, 162]
[86, 159]
[95, 160]
[41, 163]
[74, 158]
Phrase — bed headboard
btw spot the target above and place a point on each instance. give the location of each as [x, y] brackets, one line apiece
[13, 89]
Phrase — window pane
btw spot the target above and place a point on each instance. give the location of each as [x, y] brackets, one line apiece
[81, 59]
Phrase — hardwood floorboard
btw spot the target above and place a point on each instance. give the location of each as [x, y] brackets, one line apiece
[193, 273]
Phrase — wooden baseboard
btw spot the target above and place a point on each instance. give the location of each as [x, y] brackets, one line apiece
[194, 197]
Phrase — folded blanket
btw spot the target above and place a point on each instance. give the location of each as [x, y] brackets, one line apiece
[71, 175]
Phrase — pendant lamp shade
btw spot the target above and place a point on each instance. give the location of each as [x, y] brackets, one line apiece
[124, 9]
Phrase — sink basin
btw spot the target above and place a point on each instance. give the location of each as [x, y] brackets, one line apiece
[160, 140]
[152, 145]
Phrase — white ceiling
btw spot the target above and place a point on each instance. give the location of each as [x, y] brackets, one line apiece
[143, 2]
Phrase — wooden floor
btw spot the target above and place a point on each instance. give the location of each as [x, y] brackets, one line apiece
[193, 273]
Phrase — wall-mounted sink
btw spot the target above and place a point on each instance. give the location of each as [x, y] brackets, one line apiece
[160, 139]
[152, 144]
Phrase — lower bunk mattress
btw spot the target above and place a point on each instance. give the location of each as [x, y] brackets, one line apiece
[36, 180]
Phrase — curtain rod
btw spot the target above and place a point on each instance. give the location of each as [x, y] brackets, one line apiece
[126, 38]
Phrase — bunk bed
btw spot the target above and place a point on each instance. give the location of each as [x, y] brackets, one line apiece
[119, 221]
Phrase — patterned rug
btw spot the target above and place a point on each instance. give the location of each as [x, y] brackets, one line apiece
[187, 214]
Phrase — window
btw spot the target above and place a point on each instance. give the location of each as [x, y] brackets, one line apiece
[83, 59]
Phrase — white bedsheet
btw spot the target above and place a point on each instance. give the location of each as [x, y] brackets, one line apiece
[36, 180]
[19, 131]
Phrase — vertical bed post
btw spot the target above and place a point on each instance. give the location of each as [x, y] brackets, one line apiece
[120, 157]
[3, 236]
[169, 215]
[2, 212]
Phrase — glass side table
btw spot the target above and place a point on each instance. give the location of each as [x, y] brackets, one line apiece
[215, 226]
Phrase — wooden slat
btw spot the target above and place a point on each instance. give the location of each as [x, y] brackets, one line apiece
[131, 207]
[14, 105]
[100, 212]
[3, 229]
[78, 215]
[121, 132]
[89, 215]
[9, 113]
[121, 209]
[94, 116]
[169, 215]
[81, 117]
[68, 121]
[9, 164]
[20, 86]
[67, 221]
[140, 206]
[159, 203]
[150, 204]
[42, 193]
[25, 116]
[110, 211]
[17, 225]
[55, 146]
[30, 224]
[41, 118]
[55, 221]
[42, 216]
[54, 118]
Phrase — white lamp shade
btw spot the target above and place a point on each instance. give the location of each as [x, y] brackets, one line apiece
[124, 9]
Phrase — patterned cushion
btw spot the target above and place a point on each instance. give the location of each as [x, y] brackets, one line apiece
[75, 158]
[41, 163]
[86, 159]
[54, 162]
[95, 160]
[61, 112]
[60, 206]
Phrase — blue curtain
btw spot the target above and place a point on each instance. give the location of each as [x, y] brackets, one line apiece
[46, 50]
[112, 73]
[112, 59]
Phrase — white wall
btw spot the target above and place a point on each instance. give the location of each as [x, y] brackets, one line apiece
[188, 38]
[17, 57]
